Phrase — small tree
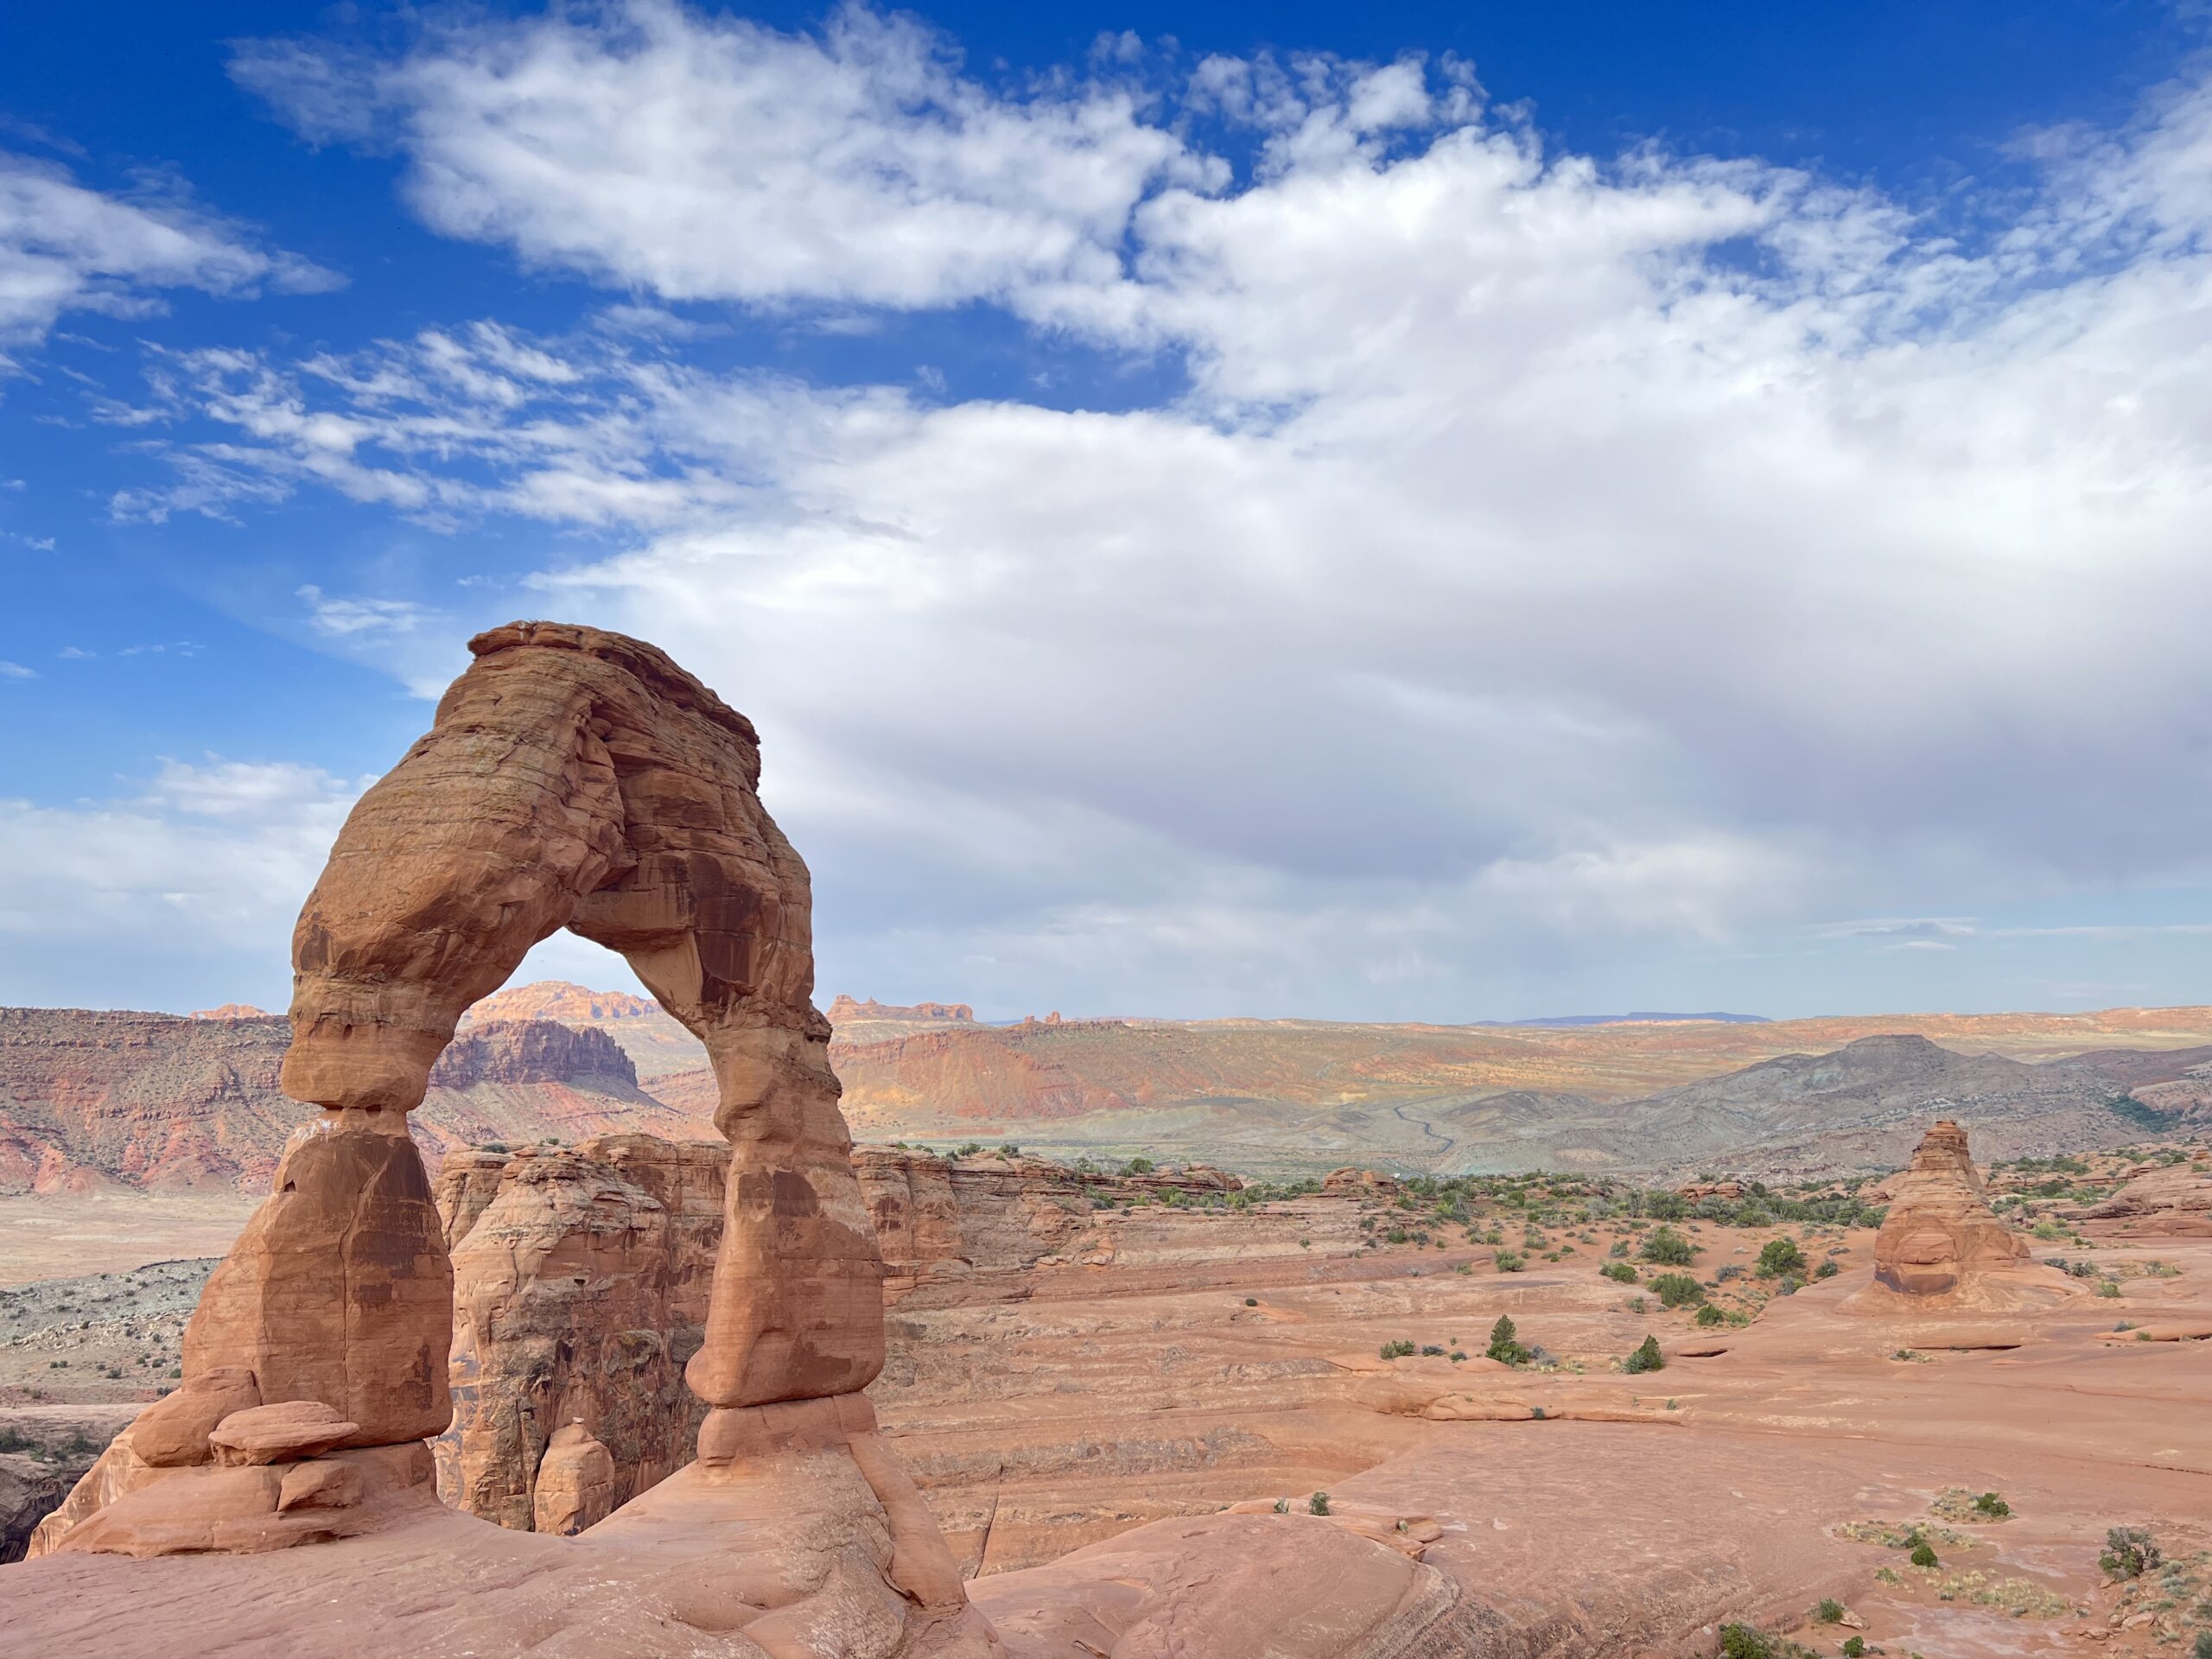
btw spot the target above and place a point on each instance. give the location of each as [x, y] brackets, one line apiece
[1779, 1256]
[1647, 1358]
[1505, 1342]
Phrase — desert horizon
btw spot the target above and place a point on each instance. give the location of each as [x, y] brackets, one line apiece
[1192, 830]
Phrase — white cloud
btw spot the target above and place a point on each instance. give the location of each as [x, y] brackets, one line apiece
[67, 247]
[16, 671]
[711, 158]
[196, 877]
[1551, 564]
[342, 617]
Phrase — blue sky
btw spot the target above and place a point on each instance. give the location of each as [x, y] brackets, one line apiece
[1377, 512]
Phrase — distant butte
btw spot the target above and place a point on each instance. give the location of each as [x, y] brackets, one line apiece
[845, 1010]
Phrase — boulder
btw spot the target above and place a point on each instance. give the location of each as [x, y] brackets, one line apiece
[576, 1483]
[172, 1433]
[280, 1433]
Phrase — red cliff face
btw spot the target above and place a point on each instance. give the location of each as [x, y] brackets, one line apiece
[845, 1008]
[530, 1051]
[92, 1098]
[580, 1290]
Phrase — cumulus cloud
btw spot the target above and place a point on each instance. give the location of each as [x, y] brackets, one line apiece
[1551, 566]
[706, 157]
[65, 246]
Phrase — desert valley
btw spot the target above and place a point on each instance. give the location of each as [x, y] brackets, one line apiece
[579, 1323]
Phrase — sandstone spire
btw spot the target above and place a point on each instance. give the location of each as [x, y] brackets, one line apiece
[1941, 1244]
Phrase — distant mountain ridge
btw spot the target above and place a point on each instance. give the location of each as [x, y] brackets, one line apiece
[1636, 1020]
[91, 1097]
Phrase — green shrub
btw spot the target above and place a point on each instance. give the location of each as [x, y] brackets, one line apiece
[1619, 1272]
[1830, 1612]
[1854, 1647]
[1430, 1350]
[1508, 1262]
[1990, 1504]
[1397, 1350]
[1923, 1554]
[1251, 1302]
[1647, 1358]
[1505, 1342]
[1709, 1316]
[1677, 1290]
[1742, 1641]
[2130, 1552]
[2202, 1649]
[1778, 1256]
[1669, 1249]
[1826, 1270]
[1318, 1504]
[1138, 1167]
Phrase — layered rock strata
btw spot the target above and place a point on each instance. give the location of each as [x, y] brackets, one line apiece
[572, 778]
[581, 1278]
[2173, 1201]
[1941, 1244]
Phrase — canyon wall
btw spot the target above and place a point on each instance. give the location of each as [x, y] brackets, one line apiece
[93, 1099]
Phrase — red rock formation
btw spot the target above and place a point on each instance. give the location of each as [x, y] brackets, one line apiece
[529, 1051]
[560, 1000]
[845, 1009]
[573, 778]
[90, 1099]
[1941, 1244]
[580, 1285]
[2171, 1201]
[576, 1483]
[1359, 1183]
[232, 1011]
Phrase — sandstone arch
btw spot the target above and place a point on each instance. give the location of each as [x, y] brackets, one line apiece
[578, 779]
[573, 778]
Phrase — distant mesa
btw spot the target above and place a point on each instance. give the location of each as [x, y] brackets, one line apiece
[845, 1010]
[234, 1011]
[559, 1000]
[1636, 1020]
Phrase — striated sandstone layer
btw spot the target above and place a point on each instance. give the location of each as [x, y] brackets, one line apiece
[581, 1282]
[1941, 1244]
[93, 1101]
[2174, 1200]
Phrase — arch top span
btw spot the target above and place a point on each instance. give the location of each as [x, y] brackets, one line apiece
[573, 778]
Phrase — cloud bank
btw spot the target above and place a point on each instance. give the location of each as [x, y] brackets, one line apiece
[1552, 579]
